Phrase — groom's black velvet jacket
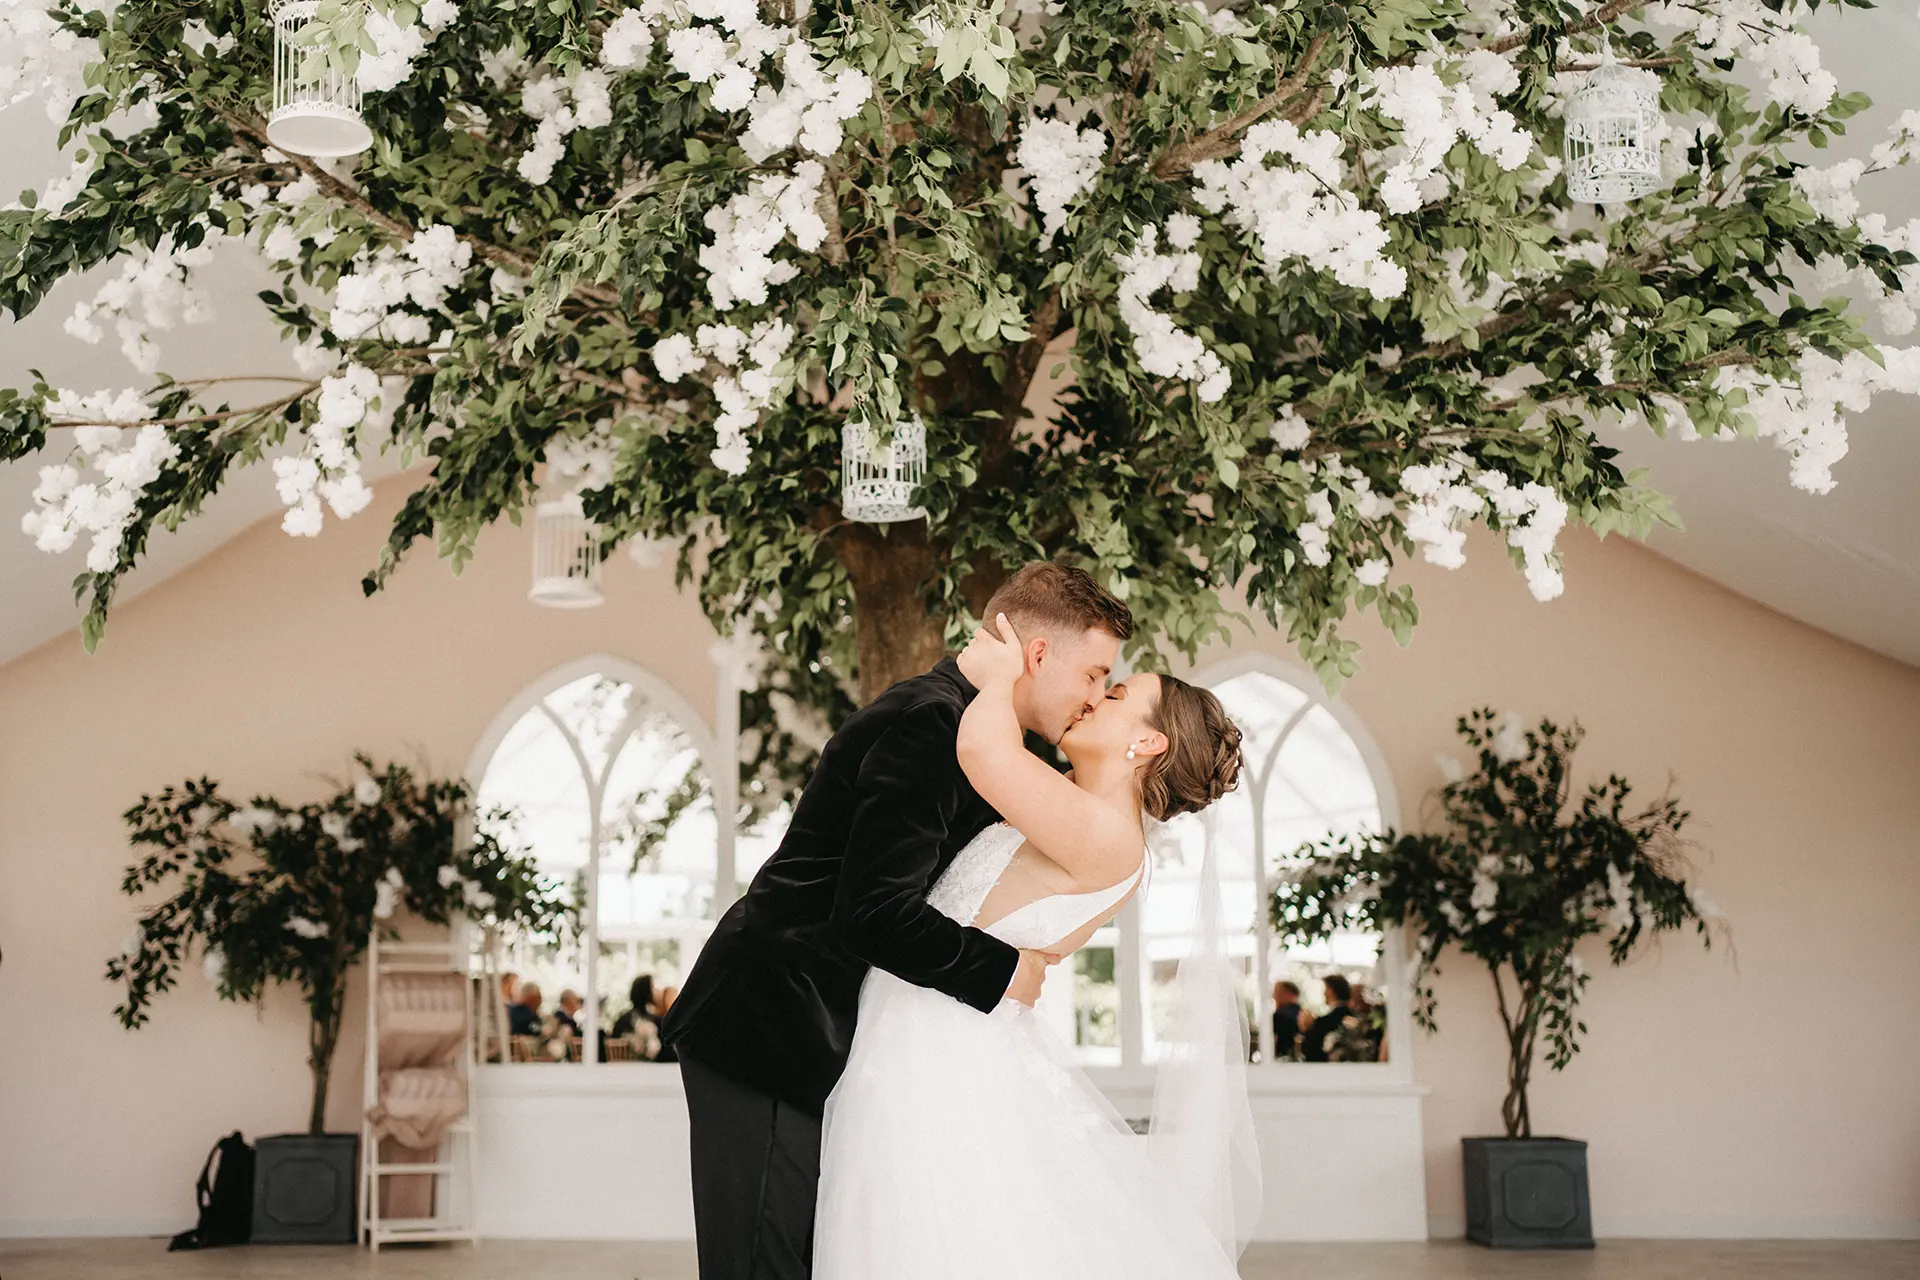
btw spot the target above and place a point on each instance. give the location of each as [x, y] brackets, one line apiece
[772, 999]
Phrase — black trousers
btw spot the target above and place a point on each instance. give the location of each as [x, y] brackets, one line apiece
[756, 1171]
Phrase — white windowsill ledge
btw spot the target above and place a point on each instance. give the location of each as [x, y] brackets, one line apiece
[645, 1079]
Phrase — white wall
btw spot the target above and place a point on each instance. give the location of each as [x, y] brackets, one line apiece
[1768, 1096]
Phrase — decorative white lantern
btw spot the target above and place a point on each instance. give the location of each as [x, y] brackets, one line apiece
[1614, 129]
[311, 117]
[566, 559]
[877, 480]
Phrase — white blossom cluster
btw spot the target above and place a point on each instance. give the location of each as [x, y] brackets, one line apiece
[395, 47]
[1472, 301]
[67, 502]
[199, 37]
[581, 101]
[1433, 115]
[306, 217]
[1749, 29]
[1622, 901]
[724, 50]
[1061, 161]
[1441, 494]
[367, 300]
[1896, 308]
[1340, 485]
[386, 893]
[1163, 347]
[576, 464]
[58, 193]
[329, 466]
[1510, 739]
[748, 227]
[725, 45]
[1804, 418]
[1297, 209]
[809, 110]
[40, 57]
[1289, 432]
[1830, 192]
[251, 820]
[627, 41]
[753, 379]
[478, 898]
[154, 290]
[1486, 886]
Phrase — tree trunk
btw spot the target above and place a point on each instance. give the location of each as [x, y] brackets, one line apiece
[323, 1036]
[897, 635]
[1520, 1044]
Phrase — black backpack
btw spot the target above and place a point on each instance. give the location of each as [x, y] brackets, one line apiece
[225, 1196]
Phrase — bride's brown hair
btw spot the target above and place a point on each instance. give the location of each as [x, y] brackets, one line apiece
[1202, 759]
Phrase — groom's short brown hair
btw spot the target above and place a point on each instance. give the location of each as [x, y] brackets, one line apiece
[1049, 597]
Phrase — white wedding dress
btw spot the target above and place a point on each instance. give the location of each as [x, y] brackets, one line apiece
[959, 1146]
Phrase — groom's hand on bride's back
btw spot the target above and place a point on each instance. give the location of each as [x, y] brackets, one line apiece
[1028, 975]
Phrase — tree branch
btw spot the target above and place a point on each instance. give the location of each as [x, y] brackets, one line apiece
[627, 392]
[1507, 321]
[1223, 138]
[355, 199]
[1026, 360]
[1605, 14]
[1718, 360]
[834, 249]
[1625, 62]
[201, 419]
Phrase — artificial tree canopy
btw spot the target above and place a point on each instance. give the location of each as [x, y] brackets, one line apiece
[1311, 268]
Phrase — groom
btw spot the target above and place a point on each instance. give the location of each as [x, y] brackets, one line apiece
[766, 1019]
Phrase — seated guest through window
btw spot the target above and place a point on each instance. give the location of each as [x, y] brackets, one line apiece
[639, 1026]
[1289, 1020]
[523, 1015]
[1313, 1041]
[640, 1010]
[566, 1019]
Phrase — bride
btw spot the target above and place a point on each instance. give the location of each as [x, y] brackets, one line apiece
[963, 1148]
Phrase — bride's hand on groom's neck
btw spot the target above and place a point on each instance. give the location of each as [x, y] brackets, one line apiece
[994, 658]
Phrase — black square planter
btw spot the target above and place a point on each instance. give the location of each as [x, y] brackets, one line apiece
[303, 1189]
[1527, 1193]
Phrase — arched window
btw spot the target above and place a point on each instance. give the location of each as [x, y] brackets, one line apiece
[608, 773]
[1306, 774]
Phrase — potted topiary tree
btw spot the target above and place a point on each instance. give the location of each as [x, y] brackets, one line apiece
[277, 893]
[1516, 875]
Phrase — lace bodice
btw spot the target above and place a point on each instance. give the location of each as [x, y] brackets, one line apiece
[960, 892]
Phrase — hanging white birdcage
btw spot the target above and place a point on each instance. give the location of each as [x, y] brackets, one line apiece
[316, 107]
[877, 479]
[566, 556]
[1613, 135]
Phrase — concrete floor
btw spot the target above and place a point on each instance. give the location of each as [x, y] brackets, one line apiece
[532, 1260]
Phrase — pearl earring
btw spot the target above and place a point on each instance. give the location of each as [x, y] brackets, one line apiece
[1130, 753]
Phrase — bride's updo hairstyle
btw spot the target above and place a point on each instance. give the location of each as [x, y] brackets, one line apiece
[1202, 759]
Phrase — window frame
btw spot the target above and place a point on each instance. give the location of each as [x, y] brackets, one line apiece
[1135, 1074]
[658, 695]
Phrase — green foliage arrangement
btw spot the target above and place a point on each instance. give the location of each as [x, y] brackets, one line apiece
[274, 893]
[1516, 875]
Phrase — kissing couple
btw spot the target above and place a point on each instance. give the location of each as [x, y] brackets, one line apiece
[869, 1093]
